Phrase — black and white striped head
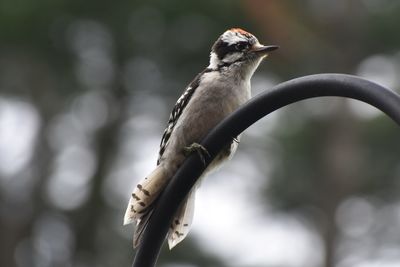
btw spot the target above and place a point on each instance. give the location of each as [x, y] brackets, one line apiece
[238, 47]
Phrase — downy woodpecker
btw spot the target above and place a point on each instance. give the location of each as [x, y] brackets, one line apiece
[214, 93]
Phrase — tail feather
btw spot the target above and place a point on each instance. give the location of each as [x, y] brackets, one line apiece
[144, 195]
[141, 203]
[140, 227]
[182, 221]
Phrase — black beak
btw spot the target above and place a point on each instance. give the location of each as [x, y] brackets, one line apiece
[264, 49]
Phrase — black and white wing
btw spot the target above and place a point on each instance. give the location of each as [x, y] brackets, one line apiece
[177, 111]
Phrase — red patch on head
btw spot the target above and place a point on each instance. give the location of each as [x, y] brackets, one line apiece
[241, 31]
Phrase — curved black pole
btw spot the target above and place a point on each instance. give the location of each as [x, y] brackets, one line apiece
[258, 107]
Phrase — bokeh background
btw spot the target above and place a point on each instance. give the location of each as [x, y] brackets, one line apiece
[86, 88]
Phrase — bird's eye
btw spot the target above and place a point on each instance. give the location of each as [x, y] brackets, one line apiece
[241, 46]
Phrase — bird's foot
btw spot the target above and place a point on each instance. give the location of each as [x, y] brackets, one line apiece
[201, 151]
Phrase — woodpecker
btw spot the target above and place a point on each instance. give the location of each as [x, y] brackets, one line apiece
[213, 94]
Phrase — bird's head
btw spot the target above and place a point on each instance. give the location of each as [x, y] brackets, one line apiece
[239, 48]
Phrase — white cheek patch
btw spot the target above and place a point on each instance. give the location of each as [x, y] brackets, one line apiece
[232, 57]
[214, 61]
[231, 37]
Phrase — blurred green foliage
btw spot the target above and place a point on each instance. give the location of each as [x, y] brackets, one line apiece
[86, 82]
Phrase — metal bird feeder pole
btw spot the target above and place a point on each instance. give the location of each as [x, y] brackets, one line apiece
[283, 94]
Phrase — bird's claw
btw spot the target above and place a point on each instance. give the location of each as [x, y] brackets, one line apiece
[201, 151]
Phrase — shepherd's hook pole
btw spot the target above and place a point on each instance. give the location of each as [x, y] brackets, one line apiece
[283, 94]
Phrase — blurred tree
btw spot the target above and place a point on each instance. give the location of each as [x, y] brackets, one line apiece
[78, 78]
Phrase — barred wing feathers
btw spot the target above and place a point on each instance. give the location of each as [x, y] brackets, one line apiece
[177, 111]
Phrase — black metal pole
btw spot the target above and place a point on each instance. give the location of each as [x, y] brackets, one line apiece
[261, 105]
